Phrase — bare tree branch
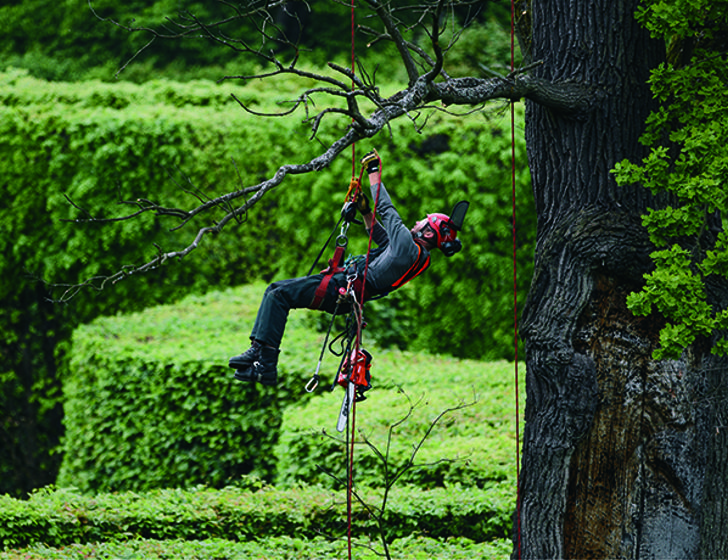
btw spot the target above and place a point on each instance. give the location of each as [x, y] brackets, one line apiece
[422, 95]
[392, 473]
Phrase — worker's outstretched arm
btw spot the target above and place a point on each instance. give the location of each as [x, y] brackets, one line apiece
[373, 164]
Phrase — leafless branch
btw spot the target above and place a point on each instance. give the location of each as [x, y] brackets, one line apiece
[427, 90]
[393, 475]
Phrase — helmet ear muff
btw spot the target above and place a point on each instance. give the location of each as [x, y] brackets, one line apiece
[449, 248]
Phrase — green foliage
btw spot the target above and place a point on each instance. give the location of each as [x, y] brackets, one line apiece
[280, 548]
[76, 40]
[418, 389]
[99, 145]
[688, 160]
[62, 517]
[167, 365]
[67, 41]
[679, 18]
[150, 402]
[462, 305]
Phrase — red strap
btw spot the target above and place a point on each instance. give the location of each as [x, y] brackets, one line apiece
[334, 266]
[318, 297]
[416, 269]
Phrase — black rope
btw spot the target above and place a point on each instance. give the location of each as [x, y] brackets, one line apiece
[321, 252]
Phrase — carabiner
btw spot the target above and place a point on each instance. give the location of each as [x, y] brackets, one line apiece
[342, 235]
[314, 381]
[312, 384]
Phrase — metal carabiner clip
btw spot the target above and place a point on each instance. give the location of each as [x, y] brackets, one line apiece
[312, 384]
[314, 381]
[342, 240]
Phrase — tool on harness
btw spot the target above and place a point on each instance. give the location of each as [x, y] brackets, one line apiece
[354, 325]
[354, 376]
[355, 369]
[355, 282]
[314, 381]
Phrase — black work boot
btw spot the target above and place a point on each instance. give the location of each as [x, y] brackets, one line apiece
[247, 358]
[264, 370]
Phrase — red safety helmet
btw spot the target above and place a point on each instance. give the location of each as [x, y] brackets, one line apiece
[446, 232]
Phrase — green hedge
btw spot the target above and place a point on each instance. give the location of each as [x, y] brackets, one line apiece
[274, 548]
[100, 144]
[474, 446]
[66, 41]
[150, 401]
[58, 518]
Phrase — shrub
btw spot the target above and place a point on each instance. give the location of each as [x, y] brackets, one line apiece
[473, 446]
[61, 517]
[101, 144]
[150, 401]
[277, 548]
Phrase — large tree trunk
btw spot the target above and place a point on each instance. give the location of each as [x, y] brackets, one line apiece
[623, 455]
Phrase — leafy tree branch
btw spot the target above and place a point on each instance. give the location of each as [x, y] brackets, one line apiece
[687, 161]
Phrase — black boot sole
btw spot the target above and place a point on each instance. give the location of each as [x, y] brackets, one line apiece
[249, 376]
[240, 364]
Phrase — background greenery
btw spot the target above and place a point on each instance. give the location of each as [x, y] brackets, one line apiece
[687, 160]
[99, 145]
[79, 40]
[74, 146]
[150, 403]
[150, 408]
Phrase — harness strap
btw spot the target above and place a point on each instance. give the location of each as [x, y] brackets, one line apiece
[417, 268]
[335, 266]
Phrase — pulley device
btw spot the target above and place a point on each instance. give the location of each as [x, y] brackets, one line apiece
[355, 378]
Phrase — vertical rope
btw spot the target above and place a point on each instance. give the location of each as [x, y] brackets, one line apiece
[353, 145]
[515, 293]
[350, 480]
[351, 420]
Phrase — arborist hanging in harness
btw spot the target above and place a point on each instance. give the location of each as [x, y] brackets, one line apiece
[401, 254]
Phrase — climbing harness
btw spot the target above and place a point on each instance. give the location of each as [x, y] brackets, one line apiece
[337, 266]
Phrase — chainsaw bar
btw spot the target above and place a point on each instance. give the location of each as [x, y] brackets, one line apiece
[349, 397]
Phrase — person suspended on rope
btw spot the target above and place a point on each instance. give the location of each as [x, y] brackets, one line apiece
[400, 255]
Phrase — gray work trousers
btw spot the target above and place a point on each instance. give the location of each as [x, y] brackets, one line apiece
[295, 293]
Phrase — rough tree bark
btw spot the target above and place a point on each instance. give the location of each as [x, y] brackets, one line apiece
[623, 455]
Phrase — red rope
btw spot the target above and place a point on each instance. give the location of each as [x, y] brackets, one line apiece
[515, 294]
[353, 145]
[351, 430]
[351, 425]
